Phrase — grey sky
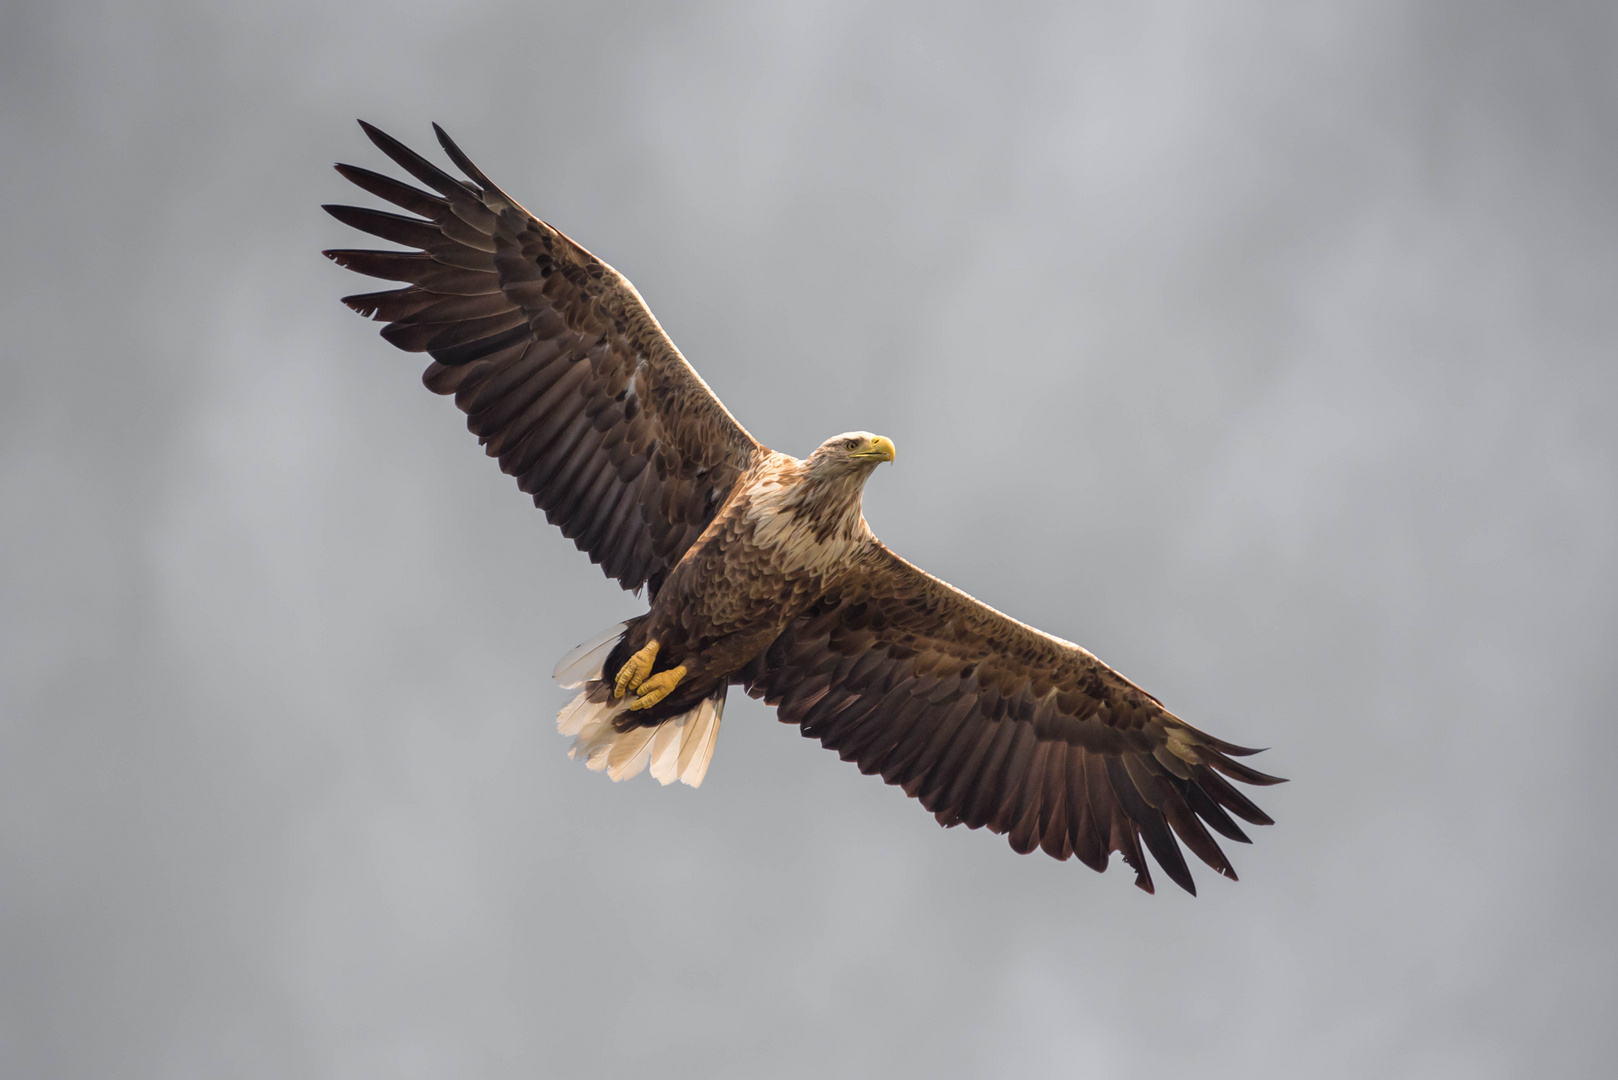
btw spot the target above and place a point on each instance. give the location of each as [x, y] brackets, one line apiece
[1266, 351]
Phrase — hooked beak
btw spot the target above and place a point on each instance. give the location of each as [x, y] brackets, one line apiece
[881, 449]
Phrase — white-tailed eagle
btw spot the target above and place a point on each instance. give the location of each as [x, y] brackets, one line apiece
[760, 569]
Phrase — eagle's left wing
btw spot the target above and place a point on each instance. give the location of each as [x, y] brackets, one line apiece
[991, 722]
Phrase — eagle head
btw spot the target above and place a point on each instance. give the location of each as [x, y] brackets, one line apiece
[849, 453]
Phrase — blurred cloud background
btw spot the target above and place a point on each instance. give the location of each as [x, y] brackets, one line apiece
[1266, 350]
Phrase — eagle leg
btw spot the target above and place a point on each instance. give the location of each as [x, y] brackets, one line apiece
[657, 688]
[635, 669]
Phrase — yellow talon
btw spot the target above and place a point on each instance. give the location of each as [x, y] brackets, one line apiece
[657, 688]
[635, 670]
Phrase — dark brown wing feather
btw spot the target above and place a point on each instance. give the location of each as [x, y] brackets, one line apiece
[563, 373]
[991, 722]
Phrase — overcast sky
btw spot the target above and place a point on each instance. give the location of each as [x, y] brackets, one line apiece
[1267, 351]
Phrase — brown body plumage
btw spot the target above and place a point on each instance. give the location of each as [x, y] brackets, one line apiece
[760, 568]
[773, 549]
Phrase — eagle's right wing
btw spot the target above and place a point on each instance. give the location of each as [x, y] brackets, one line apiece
[563, 373]
[988, 721]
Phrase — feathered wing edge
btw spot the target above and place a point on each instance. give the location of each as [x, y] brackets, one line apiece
[563, 373]
[988, 722]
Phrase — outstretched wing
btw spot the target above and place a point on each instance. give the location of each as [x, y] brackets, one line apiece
[563, 373]
[991, 722]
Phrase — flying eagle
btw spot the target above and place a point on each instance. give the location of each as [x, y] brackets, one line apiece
[760, 569]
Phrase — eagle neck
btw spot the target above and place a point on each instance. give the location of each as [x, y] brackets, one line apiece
[833, 503]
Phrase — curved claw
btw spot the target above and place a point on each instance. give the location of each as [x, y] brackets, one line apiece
[635, 670]
[657, 688]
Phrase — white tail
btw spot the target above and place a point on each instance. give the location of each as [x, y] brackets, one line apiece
[584, 663]
[677, 749]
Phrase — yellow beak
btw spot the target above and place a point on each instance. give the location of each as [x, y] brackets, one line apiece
[881, 449]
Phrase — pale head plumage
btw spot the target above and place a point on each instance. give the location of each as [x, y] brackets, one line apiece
[851, 453]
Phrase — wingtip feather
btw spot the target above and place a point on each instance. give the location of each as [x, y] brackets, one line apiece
[464, 163]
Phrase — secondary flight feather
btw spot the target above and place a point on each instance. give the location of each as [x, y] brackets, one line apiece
[760, 569]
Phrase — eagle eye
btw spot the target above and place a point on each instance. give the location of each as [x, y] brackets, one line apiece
[849, 444]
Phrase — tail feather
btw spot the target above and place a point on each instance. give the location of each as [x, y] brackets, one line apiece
[666, 752]
[592, 724]
[679, 748]
[576, 714]
[697, 748]
[584, 663]
[629, 752]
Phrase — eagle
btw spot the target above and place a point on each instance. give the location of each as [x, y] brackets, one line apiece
[759, 568]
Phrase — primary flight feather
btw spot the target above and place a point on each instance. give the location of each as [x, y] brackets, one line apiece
[760, 569]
